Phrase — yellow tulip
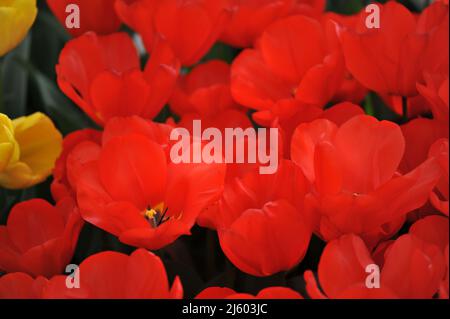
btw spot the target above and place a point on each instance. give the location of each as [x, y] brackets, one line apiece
[16, 18]
[29, 147]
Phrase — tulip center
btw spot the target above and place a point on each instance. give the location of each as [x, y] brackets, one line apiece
[156, 215]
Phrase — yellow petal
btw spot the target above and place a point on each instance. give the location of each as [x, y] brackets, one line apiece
[39, 141]
[16, 18]
[9, 153]
[39, 144]
[19, 176]
[5, 121]
[6, 152]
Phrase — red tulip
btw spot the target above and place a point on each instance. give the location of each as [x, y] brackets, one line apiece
[260, 221]
[313, 8]
[98, 16]
[391, 59]
[190, 27]
[354, 172]
[112, 275]
[129, 187]
[286, 115]
[39, 239]
[267, 293]
[436, 93]
[250, 18]
[281, 67]
[410, 107]
[412, 269]
[106, 275]
[432, 230]
[62, 184]
[419, 135]
[21, 286]
[102, 75]
[439, 198]
[204, 93]
[350, 89]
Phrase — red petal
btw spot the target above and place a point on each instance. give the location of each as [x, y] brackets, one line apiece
[343, 264]
[370, 152]
[127, 176]
[33, 223]
[265, 241]
[413, 269]
[215, 293]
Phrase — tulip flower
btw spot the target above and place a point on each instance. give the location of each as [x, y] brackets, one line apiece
[250, 18]
[412, 269]
[191, 28]
[282, 68]
[391, 59]
[16, 18]
[102, 75]
[436, 93]
[244, 117]
[39, 239]
[439, 198]
[433, 230]
[286, 115]
[420, 134]
[204, 93]
[354, 172]
[21, 286]
[267, 293]
[98, 16]
[112, 275]
[29, 147]
[128, 186]
[260, 221]
[106, 275]
[428, 138]
[62, 184]
[350, 89]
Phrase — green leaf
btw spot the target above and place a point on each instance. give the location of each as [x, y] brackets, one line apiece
[346, 6]
[54, 103]
[66, 115]
[49, 37]
[221, 51]
[14, 81]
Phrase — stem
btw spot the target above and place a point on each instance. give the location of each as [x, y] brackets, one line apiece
[368, 105]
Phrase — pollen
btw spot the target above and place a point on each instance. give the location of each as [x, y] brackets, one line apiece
[156, 215]
[150, 213]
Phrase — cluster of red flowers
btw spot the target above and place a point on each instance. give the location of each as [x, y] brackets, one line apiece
[344, 176]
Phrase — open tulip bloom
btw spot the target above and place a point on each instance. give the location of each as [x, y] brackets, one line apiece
[224, 149]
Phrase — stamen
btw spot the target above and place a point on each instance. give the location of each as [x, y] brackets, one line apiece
[161, 220]
[155, 216]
